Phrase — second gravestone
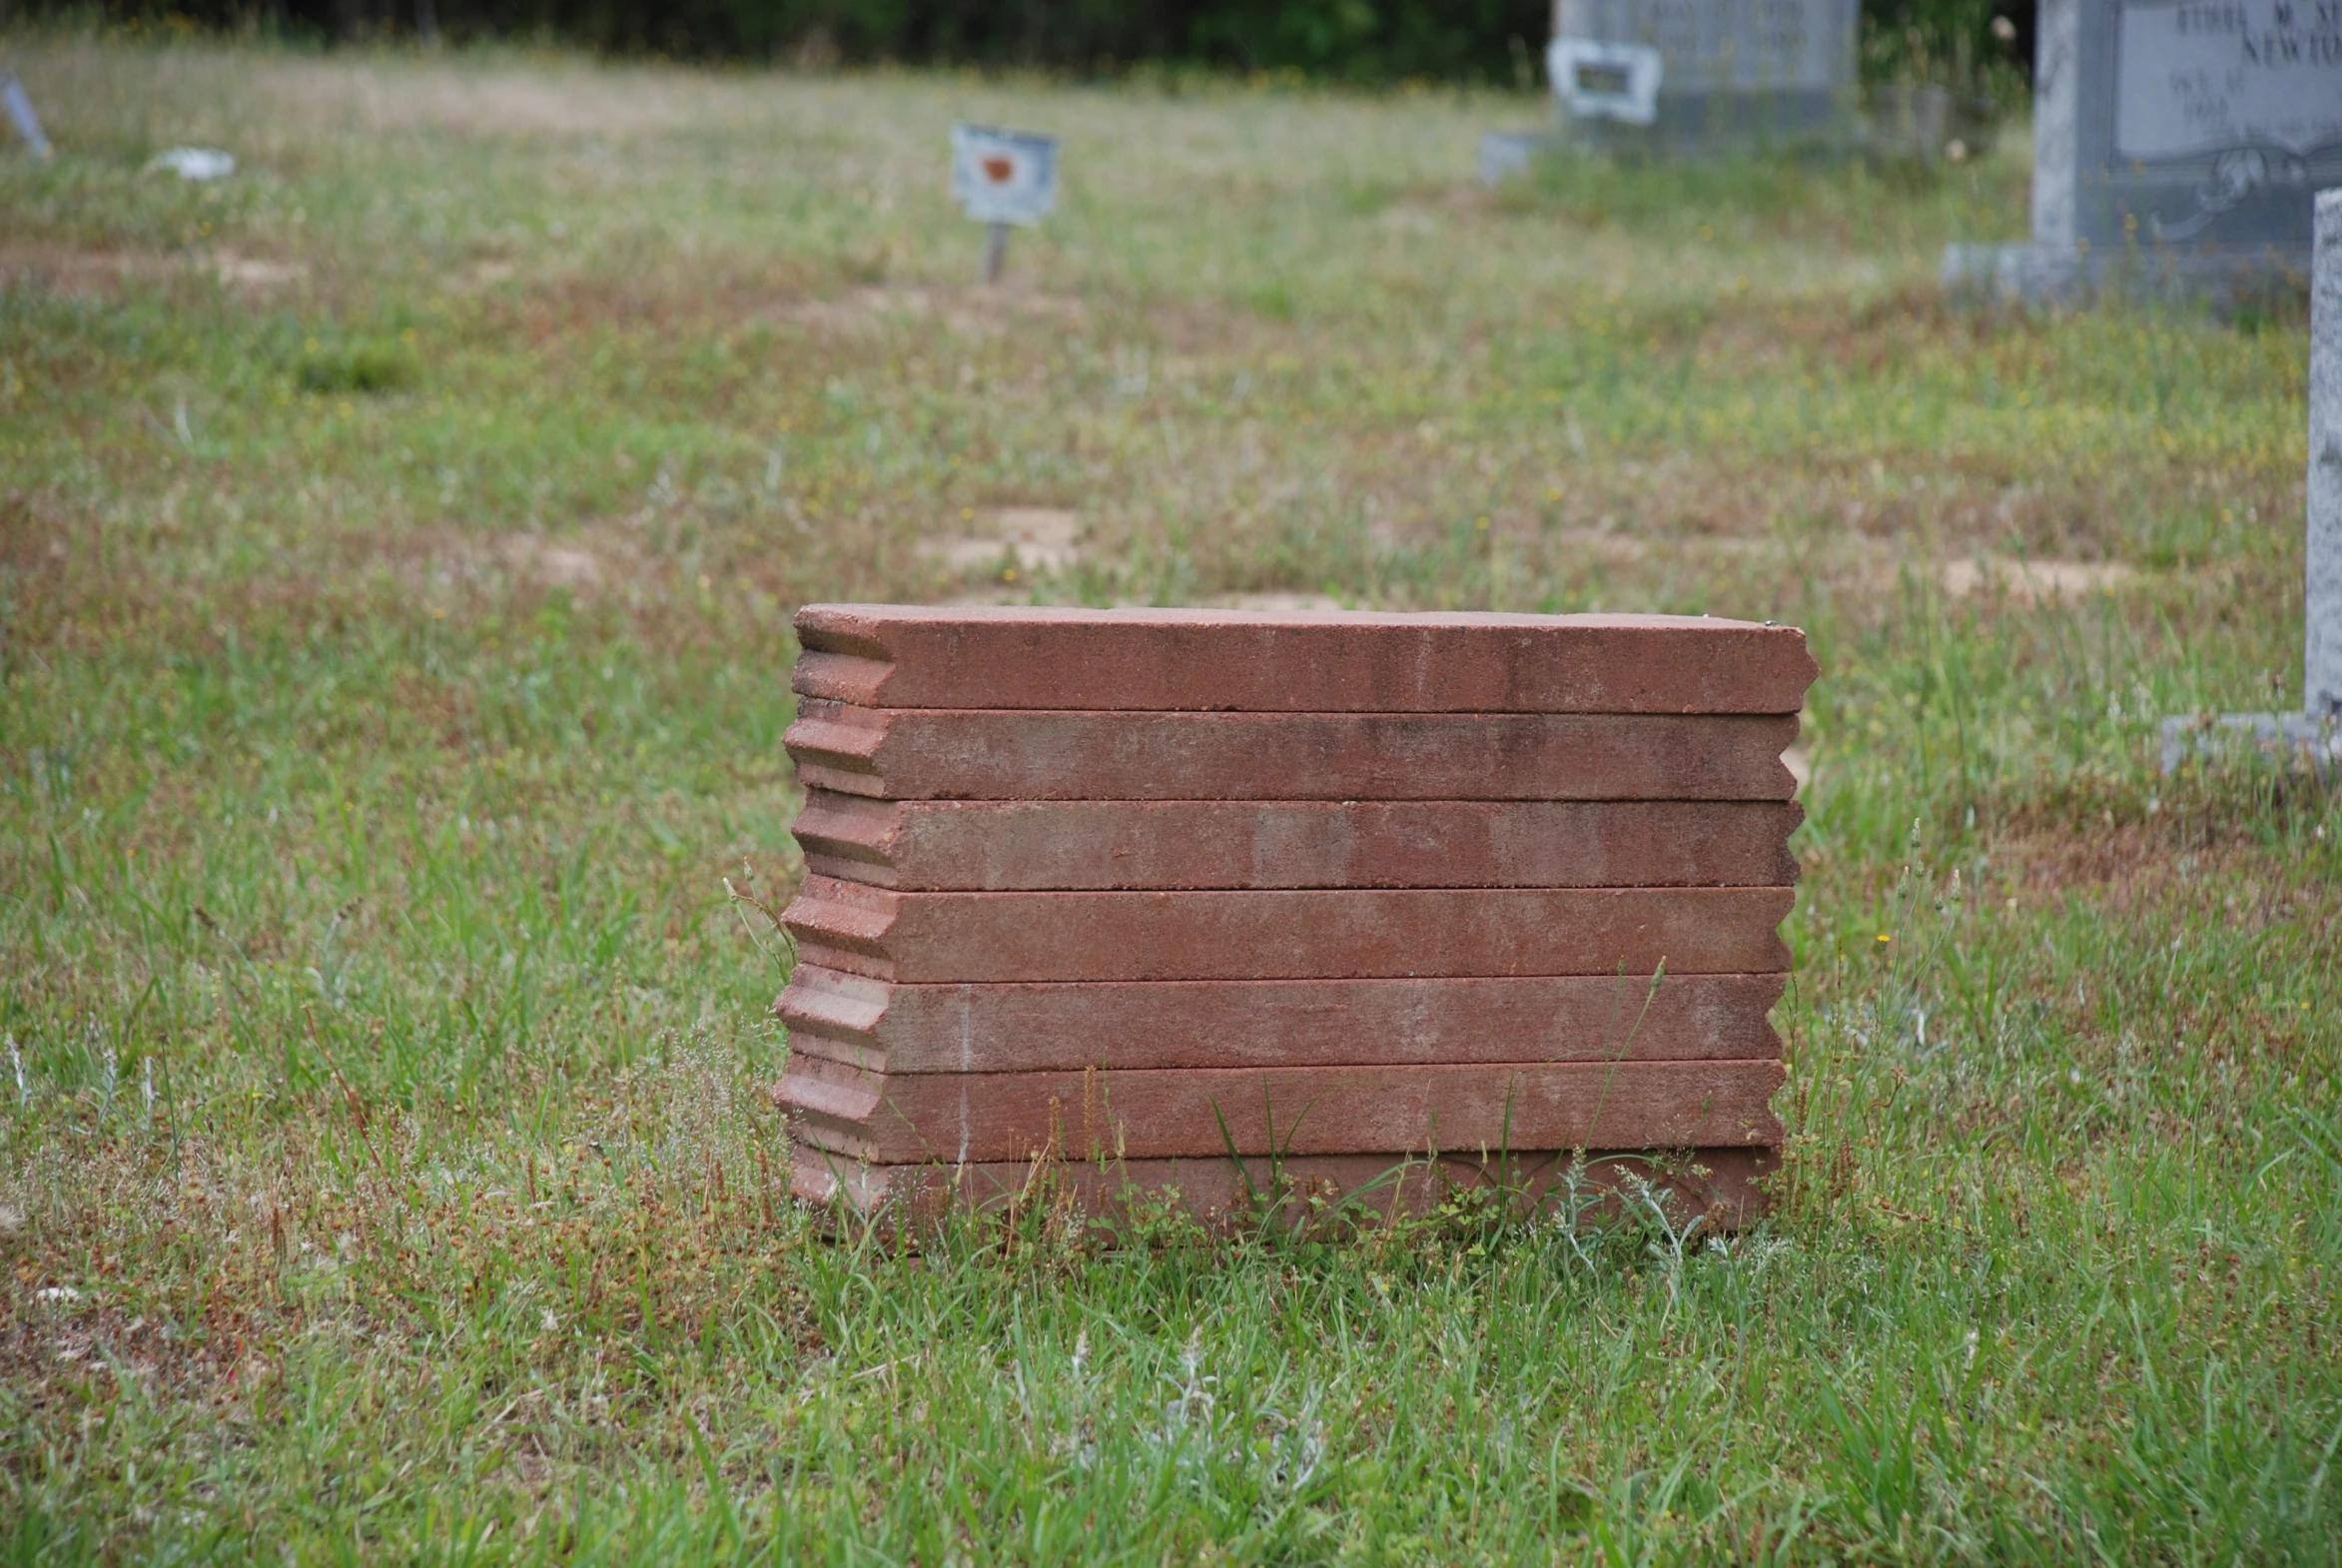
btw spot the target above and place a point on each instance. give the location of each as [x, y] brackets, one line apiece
[2313, 735]
[1703, 75]
[1194, 900]
[2176, 148]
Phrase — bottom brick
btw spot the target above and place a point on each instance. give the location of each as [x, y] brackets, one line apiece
[979, 1118]
[1723, 1185]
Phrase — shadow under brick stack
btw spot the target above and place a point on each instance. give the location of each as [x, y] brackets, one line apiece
[1132, 893]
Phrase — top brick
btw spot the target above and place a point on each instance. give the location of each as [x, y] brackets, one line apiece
[1181, 660]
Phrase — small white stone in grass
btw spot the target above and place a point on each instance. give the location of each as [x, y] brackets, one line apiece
[197, 164]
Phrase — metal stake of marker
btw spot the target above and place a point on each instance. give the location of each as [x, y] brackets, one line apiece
[19, 106]
[2316, 731]
[996, 250]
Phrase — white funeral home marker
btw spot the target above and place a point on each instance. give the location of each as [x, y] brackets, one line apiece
[1002, 178]
[1594, 78]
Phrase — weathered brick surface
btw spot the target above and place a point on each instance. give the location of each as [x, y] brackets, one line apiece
[924, 754]
[909, 656]
[1296, 935]
[1001, 846]
[1146, 884]
[901, 1029]
[1719, 1182]
[959, 1118]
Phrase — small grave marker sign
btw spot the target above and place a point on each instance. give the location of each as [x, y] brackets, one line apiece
[1000, 177]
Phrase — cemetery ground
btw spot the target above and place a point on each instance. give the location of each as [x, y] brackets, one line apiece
[398, 541]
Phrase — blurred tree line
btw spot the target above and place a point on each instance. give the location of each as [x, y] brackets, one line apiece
[1499, 42]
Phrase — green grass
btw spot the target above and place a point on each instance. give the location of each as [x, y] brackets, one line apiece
[397, 548]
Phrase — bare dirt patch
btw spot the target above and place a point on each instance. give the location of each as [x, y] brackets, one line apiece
[964, 313]
[62, 1351]
[257, 273]
[1800, 763]
[1027, 538]
[1278, 603]
[2032, 582]
[76, 271]
[485, 102]
[1608, 546]
[2174, 857]
[441, 560]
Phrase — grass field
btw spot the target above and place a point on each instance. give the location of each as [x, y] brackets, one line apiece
[397, 542]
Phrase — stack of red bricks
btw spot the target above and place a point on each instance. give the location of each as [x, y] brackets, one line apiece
[1201, 900]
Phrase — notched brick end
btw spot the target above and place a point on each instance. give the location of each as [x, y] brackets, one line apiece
[1724, 1187]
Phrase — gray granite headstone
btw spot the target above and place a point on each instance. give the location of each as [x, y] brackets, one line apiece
[2322, 690]
[1730, 74]
[1504, 154]
[2316, 731]
[2176, 147]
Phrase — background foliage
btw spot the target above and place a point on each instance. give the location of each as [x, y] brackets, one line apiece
[1359, 41]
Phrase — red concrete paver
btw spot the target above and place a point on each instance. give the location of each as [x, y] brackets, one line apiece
[884, 1026]
[1334, 935]
[922, 754]
[1722, 1185]
[917, 657]
[1002, 846]
[1135, 886]
[959, 1118]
